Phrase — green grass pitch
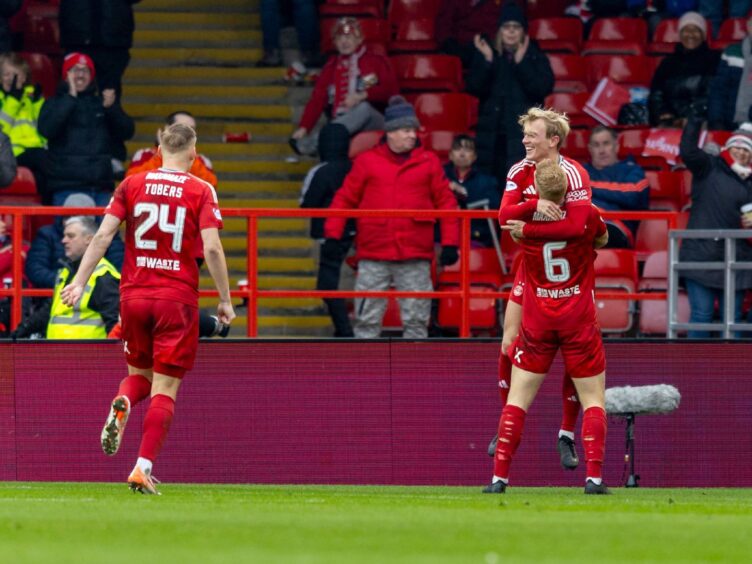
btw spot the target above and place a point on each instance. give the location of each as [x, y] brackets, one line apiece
[81, 523]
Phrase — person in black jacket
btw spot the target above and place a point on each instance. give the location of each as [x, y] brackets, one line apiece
[683, 77]
[8, 8]
[720, 187]
[319, 188]
[103, 30]
[508, 79]
[46, 252]
[81, 127]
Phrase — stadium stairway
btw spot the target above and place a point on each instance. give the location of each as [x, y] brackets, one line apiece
[199, 55]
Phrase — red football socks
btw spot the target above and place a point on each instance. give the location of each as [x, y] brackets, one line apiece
[570, 405]
[594, 437]
[505, 377]
[135, 387]
[510, 431]
[156, 425]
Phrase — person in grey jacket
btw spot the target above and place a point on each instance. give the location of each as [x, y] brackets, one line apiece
[720, 187]
[7, 161]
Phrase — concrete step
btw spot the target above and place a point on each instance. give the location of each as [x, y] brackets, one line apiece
[297, 245]
[204, 93]
[242, 188]
[268, 226]
[207, 6]
[247, 203]
[181, 56]
[274, 264]
[211, 38]
[191, 21]
[212, 129]
[230, 151]
[174, 75]
[261, 167]
[267, 282]
[261, 112]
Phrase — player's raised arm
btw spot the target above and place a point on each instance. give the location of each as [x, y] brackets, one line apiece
[94, 253]
[214, 255]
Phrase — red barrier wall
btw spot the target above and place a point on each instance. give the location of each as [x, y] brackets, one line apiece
[376, 412]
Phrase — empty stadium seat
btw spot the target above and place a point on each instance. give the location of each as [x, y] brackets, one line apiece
[654, 315]
[454, 111]
[484, 313]
[375, 32]
[569, 72]
[733, 30]
[572, 103]
[652, 235]
[484, 266]
[628, 70]
[615, 270]
[576, 145]
[557, 34]
[666, 190]
[363, 141]
[665, 37]
[415, 36]
[355, 8]
[632, 143]
[537, 9]
[42, 72]
[405, 10]
[438, 141]
[627, 36]
[654, 272]
[427, 73]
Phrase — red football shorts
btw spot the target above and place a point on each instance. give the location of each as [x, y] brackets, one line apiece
[582, 350]
[160, 334]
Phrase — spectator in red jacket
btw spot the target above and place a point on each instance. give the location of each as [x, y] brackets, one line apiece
[396, 174]
[354, 85]
[459, 21]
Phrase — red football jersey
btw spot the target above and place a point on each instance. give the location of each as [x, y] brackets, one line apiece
[560, 279]
[164, 212]
[521, 183]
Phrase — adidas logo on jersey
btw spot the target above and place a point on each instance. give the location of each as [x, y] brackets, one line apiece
[529, 191]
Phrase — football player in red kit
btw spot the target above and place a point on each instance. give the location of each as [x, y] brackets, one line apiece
[165, 212]
[544, 133]
[559, 313]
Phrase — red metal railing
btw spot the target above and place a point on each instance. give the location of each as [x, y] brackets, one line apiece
[252, 294]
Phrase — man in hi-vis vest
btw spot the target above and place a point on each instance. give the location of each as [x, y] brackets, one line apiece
[96, 313]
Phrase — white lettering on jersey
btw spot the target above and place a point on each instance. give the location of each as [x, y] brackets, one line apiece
[158, 263]
[576, 196]
[163, 190]
[558, 293]
[176, 178]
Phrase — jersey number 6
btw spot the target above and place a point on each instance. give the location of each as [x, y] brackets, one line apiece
[552, 263]
[159, 213]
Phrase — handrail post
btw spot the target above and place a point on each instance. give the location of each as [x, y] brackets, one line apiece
[465, 277]
[252, 275]
[15, 312]
[729, 287]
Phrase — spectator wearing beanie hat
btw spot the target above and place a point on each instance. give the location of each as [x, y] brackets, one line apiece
[396, 174]
[508, 75]
[721, 185]
[684, 77]
[81, 128]
[353, 88]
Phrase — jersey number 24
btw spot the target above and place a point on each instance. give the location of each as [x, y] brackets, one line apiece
[159, 214]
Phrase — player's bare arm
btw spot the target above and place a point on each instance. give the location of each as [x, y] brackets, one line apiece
[601, 241]
[215, 260]
[97, 248]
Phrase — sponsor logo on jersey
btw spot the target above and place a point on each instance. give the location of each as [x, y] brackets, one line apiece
[169, 177]
[576, 196]
[510, 186]
[158, 263]
[558, 293]
[518, 290]
[217, 214]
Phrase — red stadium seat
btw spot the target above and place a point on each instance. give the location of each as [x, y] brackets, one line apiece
[42, 72]
[733, 30]
[628, 70]
[427, 73]
[363, 141]
[665, 37]
[355, 8]
[557, 34]
[632, 143]
[654, 315]
[666, 190]
[615, 270]
[572, 103]
[22, 191]
[448, 111]
[415, 36]
[576, 145]
[654, 272]
[617, 35]
[652, 235]
[537, 9]
[569, 72]
[484, 313]
[484, 269]
[405, 10]
[440, 142]
[375, 31]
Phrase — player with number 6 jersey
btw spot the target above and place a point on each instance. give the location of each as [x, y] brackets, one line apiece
[166, 212]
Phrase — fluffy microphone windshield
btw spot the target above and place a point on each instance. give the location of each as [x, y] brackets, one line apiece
[661, 398]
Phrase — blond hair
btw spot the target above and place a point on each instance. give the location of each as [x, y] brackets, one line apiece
[177, 138]
[551, 181]
[557, 123]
